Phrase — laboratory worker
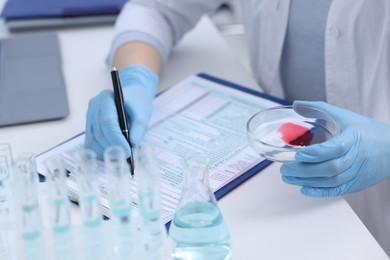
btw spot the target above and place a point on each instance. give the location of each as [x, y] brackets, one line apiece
[333, 53]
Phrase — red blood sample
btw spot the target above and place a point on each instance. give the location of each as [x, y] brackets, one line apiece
[295, 134]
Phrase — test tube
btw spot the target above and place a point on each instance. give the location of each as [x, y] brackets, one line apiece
[7, 205]
[27, 197]
[5, 180]
[4, 208]
[5, 188]
[148, 181]
[5, 151]
[87, 179]
[59, 208]
[118, 174]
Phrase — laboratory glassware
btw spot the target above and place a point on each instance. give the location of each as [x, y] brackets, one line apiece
[88, 187]
[27, 199]
[117, 172]
[58, 206]
[149, 203]
[6, 180]
[198, 230]
[277, 133]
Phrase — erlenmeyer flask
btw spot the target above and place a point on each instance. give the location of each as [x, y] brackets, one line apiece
[198, 230]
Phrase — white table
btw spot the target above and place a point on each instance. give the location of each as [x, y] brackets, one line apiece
[267, 218]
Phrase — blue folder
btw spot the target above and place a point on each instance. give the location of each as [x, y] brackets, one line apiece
[43, 14]
[29, 9]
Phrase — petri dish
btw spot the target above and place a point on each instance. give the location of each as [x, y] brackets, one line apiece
[277, 133]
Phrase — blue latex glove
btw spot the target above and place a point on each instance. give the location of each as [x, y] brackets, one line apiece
[139, 86]
[357, 158]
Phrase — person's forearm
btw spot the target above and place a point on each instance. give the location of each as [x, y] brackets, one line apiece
[138, 53]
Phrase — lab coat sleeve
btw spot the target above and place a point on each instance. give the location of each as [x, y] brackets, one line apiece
[160, 23]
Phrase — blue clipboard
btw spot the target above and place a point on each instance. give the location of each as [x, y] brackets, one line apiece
[243, 177]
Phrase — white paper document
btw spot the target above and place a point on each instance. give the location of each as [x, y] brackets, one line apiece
[196, 115]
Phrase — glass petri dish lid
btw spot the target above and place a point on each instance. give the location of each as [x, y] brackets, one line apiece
[277, 133]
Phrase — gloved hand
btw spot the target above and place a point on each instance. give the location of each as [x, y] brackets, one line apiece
[139, 86]
[357, 158]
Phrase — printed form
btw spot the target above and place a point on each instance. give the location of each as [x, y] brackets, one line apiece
[196, 115]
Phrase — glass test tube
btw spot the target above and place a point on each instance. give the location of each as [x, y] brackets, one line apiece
[87, 180]
[118, 174]
[4, 205]
[7, 209]
[27, 197]
[6, 162]
[148, 181]
[58, 202]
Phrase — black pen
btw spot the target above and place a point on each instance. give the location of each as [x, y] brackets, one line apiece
[118, 96]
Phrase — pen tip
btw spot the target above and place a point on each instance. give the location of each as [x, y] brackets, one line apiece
[113, 69]
[131, 165]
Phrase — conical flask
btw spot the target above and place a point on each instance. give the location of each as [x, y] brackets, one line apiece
[198, 230]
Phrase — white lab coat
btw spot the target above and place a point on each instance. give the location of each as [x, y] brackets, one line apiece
[357, 61]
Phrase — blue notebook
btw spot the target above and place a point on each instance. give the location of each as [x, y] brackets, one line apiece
[35, 14]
